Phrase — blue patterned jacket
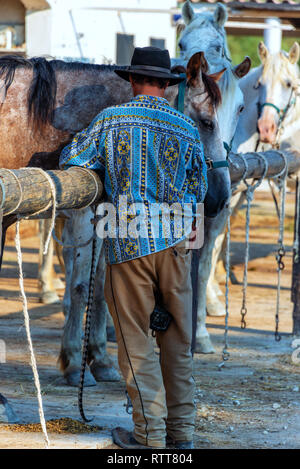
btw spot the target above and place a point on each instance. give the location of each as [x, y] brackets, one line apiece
[146, 153]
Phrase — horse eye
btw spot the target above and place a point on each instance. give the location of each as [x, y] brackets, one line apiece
[257, 85]
[241, 108]
[208, 124]
[218, 48]
[180, 45]
[288, 84]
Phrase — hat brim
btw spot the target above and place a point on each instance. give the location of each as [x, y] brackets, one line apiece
[173, 79]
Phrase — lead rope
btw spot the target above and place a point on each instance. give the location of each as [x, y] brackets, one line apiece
[249, 196]
[88, 323]
[27, 327]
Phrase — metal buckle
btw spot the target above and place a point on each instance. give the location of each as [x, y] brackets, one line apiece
[209, 164]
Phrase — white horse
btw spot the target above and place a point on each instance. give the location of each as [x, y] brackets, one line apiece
[270, 90]
[271, 115]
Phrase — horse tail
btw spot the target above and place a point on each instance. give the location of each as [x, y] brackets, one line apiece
[42, 92]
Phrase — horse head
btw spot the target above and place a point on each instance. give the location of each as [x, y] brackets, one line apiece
[204, 31]
[202, 99]
[278, 89]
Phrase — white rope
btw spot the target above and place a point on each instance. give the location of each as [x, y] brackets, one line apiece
[10, 171]
[27, 326]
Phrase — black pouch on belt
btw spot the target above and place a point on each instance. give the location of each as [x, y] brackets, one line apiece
[160, 319]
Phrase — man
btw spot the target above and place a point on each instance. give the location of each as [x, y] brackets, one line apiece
[149, 153]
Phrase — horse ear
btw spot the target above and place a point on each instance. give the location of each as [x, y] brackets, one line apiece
[243, 68]
[262, 52]
[217, 76]
[187, 12]
[194, 69]
[220, 15]
[294, 53]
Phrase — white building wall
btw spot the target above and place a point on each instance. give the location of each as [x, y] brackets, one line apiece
[75, 28]
[38, 33]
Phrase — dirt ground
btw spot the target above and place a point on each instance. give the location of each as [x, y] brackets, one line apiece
[252, 402]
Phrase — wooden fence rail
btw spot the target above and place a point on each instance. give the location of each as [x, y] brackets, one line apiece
[76, 188]
[27, 191]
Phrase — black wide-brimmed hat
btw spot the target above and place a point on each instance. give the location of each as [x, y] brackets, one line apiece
[150, 61]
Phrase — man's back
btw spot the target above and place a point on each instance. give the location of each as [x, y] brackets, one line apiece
[149, 153]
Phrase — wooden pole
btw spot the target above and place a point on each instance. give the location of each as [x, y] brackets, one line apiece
[74, 189]
[256, 164]
[296, 265]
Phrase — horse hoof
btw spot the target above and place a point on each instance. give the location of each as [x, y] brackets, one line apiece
[73, 379]
[215, 309]
[7, 413]
[204, 346]
[49, 298]
[105, 373]
[111, 334]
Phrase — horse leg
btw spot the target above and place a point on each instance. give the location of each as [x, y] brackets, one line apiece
[214, 306]
[59, 227]
[213, 227]
[78, 265]
[100, 362]
[46, 272]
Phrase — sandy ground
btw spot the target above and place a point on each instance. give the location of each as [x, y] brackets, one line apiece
[252, 402]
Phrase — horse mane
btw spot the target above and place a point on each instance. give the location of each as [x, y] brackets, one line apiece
[43, 87]
[212, 89]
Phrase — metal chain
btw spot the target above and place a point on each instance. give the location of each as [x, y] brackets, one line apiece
[281, 250]
[87, 324]
[249, 196]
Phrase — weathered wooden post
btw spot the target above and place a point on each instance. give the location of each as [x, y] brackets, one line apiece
[296, 265]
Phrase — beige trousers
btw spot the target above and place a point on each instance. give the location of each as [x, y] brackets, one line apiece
[161, 387]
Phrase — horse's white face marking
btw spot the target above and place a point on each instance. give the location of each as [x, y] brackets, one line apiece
[278, 85]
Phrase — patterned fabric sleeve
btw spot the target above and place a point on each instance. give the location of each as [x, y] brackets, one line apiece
[85, 148]
[198, 176]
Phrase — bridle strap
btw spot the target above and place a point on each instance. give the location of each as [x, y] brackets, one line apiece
[216, 164]
[181, 93]
[271, 105]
